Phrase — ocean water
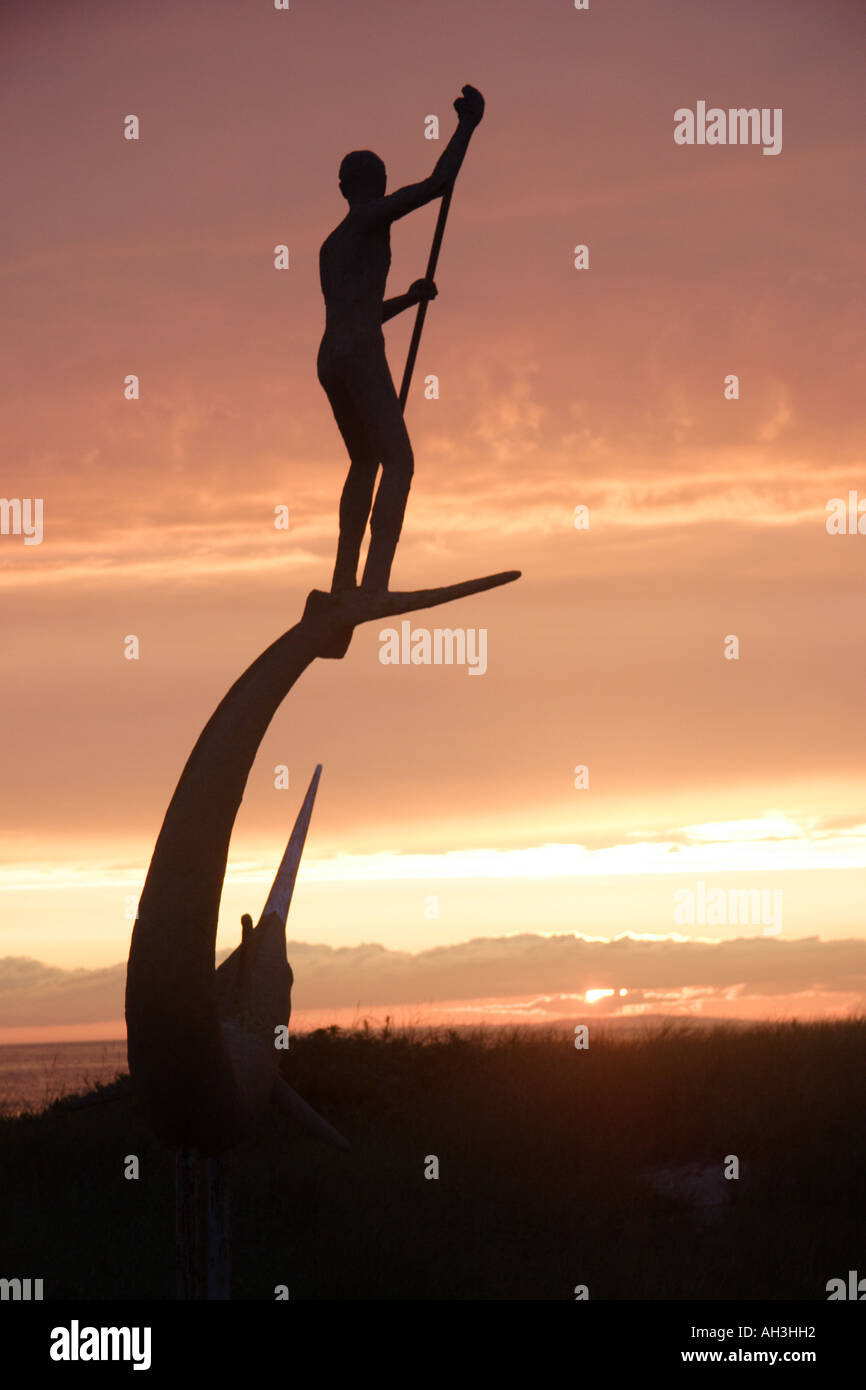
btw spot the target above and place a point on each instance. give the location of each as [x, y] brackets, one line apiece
[32, 1075]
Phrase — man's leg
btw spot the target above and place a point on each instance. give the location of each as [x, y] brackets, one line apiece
[355, 503]
[357, 495]
[387, 430]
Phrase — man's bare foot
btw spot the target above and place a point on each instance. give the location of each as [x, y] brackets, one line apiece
[321, 602]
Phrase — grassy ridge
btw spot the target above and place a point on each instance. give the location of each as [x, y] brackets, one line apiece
[544, 1153]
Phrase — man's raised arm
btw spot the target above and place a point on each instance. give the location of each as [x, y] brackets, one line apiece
[470, 109]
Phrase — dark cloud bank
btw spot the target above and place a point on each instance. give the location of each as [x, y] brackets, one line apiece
[485, 968]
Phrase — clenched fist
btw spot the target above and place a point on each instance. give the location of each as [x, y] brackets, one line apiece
[422, 289]
[469, 106]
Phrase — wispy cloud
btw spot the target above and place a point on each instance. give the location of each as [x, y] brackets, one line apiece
[769, 844]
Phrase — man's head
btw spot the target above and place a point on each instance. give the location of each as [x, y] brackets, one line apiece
[362, 176]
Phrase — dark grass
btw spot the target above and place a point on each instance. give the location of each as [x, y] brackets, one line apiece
[542, 1149]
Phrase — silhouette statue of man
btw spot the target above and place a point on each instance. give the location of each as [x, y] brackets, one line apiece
[352, 367]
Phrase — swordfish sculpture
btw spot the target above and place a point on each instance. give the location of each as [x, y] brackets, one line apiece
[201, 1041]
[179, 1056]
[196, 1037]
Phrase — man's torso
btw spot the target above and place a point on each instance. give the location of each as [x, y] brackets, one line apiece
[353, 269]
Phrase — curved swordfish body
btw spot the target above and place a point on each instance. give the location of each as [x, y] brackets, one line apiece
[180, 1057]
[197, 1067]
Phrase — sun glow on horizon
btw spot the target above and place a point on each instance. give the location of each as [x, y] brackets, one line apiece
[592, 995]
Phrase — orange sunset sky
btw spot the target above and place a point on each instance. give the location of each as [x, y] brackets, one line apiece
[558, 388]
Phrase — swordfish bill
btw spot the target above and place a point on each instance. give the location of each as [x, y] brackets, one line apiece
[254, 990]
[280, 897]
[256, 976]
